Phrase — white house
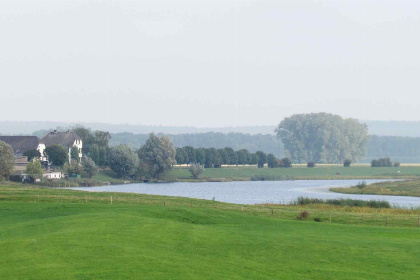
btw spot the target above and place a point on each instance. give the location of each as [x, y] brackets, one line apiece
[67, 139]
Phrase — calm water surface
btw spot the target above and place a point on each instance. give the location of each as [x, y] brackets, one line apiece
[256, 192]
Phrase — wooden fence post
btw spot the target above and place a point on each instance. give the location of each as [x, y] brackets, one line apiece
[164, 203]
[272, 212]
[138, 200]
[86, 199]
[361, 220]
[386, 224]
[242, 209]
[418, 222]
[191, 204]
[111, 199]
[38, 198]
[330, 218]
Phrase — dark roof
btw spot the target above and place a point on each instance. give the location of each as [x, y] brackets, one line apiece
[21, 144]
[65, 139]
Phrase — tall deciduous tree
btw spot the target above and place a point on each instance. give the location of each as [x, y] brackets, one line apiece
[94, 153]
[7, 160]
[57, 155]
[322, 138]
[89, 167]
[34, 169]
[123, 160]
[158, 154]
[262, 159]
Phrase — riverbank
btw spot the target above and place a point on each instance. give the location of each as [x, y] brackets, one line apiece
[396, 188]
[322, 172]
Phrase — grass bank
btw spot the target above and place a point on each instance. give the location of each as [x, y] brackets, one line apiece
[399, 188]
[152, 237]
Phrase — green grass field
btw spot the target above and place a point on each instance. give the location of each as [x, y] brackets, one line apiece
[77, 235]
[404, 188]
[321, 172]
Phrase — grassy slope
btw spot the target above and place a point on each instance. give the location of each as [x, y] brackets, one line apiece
[404, 188]
[51, 240]
[327, 172]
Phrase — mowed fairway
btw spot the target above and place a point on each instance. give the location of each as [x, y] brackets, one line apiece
[103, 241]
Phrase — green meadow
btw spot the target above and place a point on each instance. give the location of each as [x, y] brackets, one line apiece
[303, 172]
[62, 234]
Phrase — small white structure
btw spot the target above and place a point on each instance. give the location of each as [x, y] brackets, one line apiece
[53, 175]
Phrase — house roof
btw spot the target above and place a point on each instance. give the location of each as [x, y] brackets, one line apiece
[21, 144]
[60, 138]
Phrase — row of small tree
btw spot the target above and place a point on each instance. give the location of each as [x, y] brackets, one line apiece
[215, 158]
[153, 160]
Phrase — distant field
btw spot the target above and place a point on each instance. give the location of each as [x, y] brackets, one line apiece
[302, 172]
[154, 237]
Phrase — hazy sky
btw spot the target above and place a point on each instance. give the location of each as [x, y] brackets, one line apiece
[208, 63]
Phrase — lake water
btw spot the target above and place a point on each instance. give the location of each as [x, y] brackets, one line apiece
[253, 192]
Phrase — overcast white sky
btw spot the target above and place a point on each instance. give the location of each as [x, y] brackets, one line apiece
[208, 63]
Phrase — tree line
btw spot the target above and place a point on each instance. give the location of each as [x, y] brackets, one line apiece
[403, 149]
[215, 158]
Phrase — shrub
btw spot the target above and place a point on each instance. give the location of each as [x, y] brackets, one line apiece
[382, 162]
[286, 162]
[397, 164]
[347, 163]
[272, 161]
[311, 164]
[196, 170]
[303, 215]
[361, 185]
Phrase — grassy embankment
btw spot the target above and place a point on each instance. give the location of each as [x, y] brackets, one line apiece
[404, 188]
[65, 237]
[297, 172]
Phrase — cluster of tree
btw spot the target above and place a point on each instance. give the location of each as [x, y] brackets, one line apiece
[384, 162]
[87, 168]
[322, 138]
[215, 158]
[95, 144]
[153, 160]
[237, 141]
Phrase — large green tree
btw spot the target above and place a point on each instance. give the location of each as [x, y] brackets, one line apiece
[34, 169]
[57, 155]
[322, 138]
[262, 159]
[123, 160]
[7, 160]
[158, 154]
[31, 154]
[89, 167]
